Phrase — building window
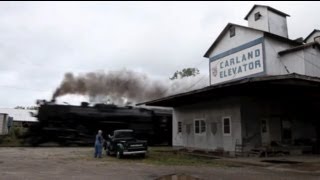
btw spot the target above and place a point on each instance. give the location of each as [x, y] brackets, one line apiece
[232, 31]
[264, 128]
[179, 127]
[257, 16]
[199, 126]
[226, 122]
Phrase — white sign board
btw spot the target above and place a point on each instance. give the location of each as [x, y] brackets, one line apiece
[240, 64]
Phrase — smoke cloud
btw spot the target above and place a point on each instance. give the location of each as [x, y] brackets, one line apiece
[122, 86]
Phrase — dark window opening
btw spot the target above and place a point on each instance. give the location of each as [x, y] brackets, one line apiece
[200, 126]
[226, 126]
[232, 31]
[179, 127]
[197, 130]
[203, 126]
[264, 126]
[257, 16]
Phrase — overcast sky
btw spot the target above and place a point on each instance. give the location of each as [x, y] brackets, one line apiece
[41, 41]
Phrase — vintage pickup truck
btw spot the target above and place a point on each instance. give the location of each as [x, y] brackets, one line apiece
[123, 142]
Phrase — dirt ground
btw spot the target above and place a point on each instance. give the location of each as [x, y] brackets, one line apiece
[78, 163]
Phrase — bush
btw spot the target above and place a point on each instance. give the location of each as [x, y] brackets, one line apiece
[14, 138]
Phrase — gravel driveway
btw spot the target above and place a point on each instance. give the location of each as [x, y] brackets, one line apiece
[77, 163]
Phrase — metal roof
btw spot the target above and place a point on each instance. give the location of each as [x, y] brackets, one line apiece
[304, 46]
[225, 30]
[268, 7]
[280, 85]
[314, 31]
[20, 114]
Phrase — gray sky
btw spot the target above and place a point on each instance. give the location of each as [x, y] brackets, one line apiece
[41, 41]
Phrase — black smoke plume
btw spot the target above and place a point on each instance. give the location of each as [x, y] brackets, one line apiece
[117, 85]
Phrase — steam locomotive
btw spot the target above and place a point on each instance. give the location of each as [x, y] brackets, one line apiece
[77, 125]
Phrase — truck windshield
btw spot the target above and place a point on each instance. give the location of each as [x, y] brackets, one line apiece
[124, 135]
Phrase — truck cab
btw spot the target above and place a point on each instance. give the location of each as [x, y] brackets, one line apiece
[123, 142]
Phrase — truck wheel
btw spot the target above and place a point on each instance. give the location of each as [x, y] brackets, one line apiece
[119, 155]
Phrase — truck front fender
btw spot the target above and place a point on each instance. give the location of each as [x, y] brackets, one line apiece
[120, 147]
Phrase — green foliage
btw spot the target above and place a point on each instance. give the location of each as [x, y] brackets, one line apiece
[165, 156]
[13, 138]
[186, 72]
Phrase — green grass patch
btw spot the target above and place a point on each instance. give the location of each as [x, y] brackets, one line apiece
[176, 158]
[163, 156]
[14, 138]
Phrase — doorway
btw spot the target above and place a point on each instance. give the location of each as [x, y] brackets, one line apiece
[265, 132]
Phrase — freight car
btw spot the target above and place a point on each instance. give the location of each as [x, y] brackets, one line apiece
[77, 125]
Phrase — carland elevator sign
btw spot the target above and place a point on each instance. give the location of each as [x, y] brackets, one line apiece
[239, 62]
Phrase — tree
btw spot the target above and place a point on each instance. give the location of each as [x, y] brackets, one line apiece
[186, 72]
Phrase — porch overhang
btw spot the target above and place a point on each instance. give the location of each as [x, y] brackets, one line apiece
[290, 85]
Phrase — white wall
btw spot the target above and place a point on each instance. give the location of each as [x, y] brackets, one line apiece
[269, 22]
[311, 38]
[3, 124]
[242, 36]
[212, 112]
[273, 64]
[176, 137]
[277, 24]
[312, 62]
[262, 23]
[304, 61]
[294, 62]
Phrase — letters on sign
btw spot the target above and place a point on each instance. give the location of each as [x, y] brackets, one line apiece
[243, 63]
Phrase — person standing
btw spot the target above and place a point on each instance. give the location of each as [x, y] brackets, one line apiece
[98, 145]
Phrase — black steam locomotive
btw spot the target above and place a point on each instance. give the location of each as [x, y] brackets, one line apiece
[77, 125]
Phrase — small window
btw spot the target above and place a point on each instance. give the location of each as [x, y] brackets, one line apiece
[226, 125]
[199, 126]
[232, 31]
[179, 127]
[203, 126]
[257, 16]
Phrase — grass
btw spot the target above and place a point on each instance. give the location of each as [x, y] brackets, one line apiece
[13, 139]
[167, 157]
[174, 158]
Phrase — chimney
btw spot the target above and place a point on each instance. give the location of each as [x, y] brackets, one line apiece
[268, 19]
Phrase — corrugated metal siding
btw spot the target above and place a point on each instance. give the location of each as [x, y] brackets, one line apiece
[3, 124]
[20, 114]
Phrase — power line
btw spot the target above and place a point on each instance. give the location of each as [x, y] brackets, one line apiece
[285, 67]
[317, 66]
[195, 83]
